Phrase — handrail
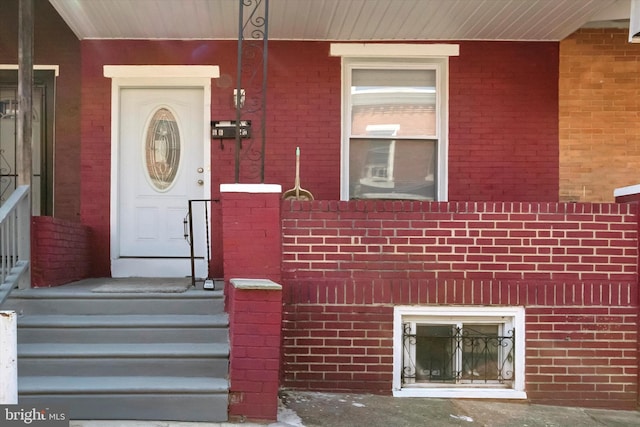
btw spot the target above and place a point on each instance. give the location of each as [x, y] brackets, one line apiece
[15, 241]
[189, 235]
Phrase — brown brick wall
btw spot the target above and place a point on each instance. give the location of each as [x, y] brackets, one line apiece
[599, 114]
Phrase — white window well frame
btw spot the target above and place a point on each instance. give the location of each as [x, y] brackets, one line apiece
[511, 317]
[397, 57]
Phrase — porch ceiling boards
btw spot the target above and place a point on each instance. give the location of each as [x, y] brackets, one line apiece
[544, 20]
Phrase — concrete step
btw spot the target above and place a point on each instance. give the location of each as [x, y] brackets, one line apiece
[52, 301]
[183, 350]
[198, 328]
[119, 355]
[205, 367]
[130, 398]
[176, 359]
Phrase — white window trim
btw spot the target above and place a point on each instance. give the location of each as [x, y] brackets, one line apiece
[394, 50]
[455, 314]
[380, 55]
[54, 68]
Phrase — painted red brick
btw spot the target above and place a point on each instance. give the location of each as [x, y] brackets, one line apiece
[581, 297]
[255, 318]
[251, 235]
[59, 250]
[515, 154]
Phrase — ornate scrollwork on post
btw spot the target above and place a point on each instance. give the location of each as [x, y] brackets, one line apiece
[251, 87]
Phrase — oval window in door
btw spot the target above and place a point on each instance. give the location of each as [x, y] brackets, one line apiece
[162, 149]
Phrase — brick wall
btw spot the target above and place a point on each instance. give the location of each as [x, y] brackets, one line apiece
[251, 232]
[465, 240]
[503, 122]
[255, 319]
[599, 127]
[573, 267]
[59, 251]
[585, 353]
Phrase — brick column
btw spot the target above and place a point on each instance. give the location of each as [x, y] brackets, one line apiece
[255, 318]
[252, 254]
[251, 231]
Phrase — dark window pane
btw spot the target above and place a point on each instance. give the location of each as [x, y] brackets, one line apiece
[392, 169]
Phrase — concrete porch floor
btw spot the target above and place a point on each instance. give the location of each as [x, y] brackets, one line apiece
[91, 284]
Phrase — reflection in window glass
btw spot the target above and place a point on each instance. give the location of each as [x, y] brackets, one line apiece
[162, 149]
[393, 134]
[392, 169]
[8, 145]
[406, 98]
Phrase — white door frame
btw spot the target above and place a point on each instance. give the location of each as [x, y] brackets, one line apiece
[156, 76]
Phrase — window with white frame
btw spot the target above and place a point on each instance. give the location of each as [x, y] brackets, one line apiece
[459, 352]
[394, 121]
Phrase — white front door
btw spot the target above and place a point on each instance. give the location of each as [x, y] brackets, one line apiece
[160, 168]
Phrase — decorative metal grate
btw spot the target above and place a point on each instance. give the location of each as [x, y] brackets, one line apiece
[467, 354]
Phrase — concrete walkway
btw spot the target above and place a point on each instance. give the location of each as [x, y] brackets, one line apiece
[310, 409]
[325, 409]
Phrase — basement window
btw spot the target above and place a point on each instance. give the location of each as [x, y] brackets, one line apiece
[470, 352]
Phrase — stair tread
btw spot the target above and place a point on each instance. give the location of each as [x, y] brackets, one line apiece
[123, 321]
[124, 385]
[71, 293]
[146, 350]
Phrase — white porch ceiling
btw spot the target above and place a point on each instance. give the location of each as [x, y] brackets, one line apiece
[344, 20]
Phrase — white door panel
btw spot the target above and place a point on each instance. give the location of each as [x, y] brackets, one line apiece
[158, 175]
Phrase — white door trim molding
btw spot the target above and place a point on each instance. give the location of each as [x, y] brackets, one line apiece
[123, 76]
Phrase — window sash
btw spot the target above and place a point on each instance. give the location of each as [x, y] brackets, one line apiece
[433, 130]
[393, 168]
[386, 95]
[454, 367]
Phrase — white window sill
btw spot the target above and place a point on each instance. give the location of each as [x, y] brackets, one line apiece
[462, 393]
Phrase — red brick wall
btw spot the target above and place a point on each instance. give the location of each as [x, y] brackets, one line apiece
[464, 240]
[252, 250]
[573, 267]
[503, 121]
[251, 230]
[255, 318]
[59, 251]
[585, 353]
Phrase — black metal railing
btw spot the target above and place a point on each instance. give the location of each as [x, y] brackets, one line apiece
[251, 80]
[457, 355]
[190, 234]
